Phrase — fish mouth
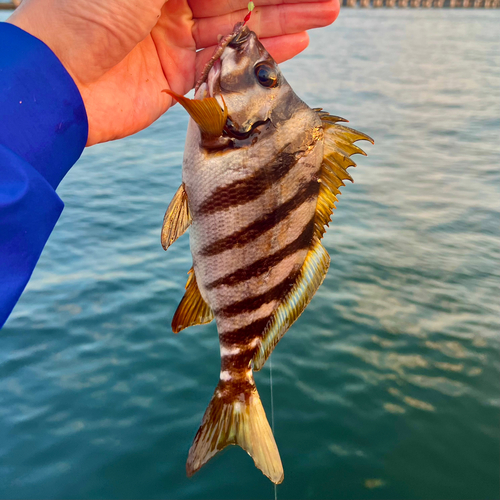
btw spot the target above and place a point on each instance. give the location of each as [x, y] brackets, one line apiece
[240, 38]
[231, 131]
[210, 86]
[239, 34]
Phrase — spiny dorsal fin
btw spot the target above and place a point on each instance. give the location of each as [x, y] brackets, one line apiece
[192, 310]
[177, 218]
[310, 277]
[339, 147]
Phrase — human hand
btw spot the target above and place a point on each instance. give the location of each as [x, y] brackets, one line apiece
[123, 53]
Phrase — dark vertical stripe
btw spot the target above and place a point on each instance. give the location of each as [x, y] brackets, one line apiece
[231, 390]
[253, 303]
[265, 264]
[238, 239]
[250, 188]
[238, 362]
[241, 337]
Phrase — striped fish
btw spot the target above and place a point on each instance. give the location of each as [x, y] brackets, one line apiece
[261, 174]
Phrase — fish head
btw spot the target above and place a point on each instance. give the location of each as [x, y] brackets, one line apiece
[247, 80]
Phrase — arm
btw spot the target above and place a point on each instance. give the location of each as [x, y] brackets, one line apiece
[123, 53]
[97, 76]
[43, 130]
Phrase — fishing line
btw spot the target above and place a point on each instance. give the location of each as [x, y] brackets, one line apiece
[272, 412]
[272, 397]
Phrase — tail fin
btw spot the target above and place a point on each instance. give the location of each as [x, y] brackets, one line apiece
[240, 421]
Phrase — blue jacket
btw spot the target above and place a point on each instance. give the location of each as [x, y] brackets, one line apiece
[43, 130]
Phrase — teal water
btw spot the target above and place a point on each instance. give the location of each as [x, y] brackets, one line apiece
[388, 386]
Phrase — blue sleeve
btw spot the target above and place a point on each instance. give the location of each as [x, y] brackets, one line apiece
[43, 130]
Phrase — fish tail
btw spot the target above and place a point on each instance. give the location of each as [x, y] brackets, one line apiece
[236, 419]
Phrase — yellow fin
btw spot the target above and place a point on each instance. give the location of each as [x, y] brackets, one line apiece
[205, 112]
[325, 117]
[192, 310]
[310, 277]
[339, 147]
[238, 420]
[177, 218]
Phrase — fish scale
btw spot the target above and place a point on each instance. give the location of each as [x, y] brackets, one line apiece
[261, 174]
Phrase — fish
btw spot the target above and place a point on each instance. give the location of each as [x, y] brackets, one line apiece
[260, 178]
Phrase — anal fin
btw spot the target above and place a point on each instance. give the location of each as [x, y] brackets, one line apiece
[177, 218]
[192, 310]
[310, 277]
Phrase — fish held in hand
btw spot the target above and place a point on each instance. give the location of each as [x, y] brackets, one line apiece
[261, 175]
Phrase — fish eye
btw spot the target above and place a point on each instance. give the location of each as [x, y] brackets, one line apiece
[266, 74]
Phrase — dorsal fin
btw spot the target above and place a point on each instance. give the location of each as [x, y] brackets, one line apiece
[192, 310]
[177, 218]
[338, 147]
[310, 277]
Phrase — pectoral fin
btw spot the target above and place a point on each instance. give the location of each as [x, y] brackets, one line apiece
[192, 310]
[177, 218]
[205, 112]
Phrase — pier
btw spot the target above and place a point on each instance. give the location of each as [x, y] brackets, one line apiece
[9, 5]
[424, 4]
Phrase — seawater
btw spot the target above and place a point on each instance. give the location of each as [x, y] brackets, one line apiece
[386, 387]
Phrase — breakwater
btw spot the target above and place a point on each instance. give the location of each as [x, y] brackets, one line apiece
[451, 4]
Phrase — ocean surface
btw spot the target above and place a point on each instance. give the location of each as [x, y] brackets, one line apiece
[387, 387]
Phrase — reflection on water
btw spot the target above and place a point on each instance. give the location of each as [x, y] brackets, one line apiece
[386, 387]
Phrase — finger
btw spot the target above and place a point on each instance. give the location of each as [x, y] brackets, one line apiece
[285, 47]
[268, 21]
[281, 49]
[212, 8]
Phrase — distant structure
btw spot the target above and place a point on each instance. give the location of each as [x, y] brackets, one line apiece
[424, 4]
[9, 5]
[402, 4]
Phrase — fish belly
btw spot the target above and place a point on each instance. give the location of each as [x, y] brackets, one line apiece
[249, 239]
